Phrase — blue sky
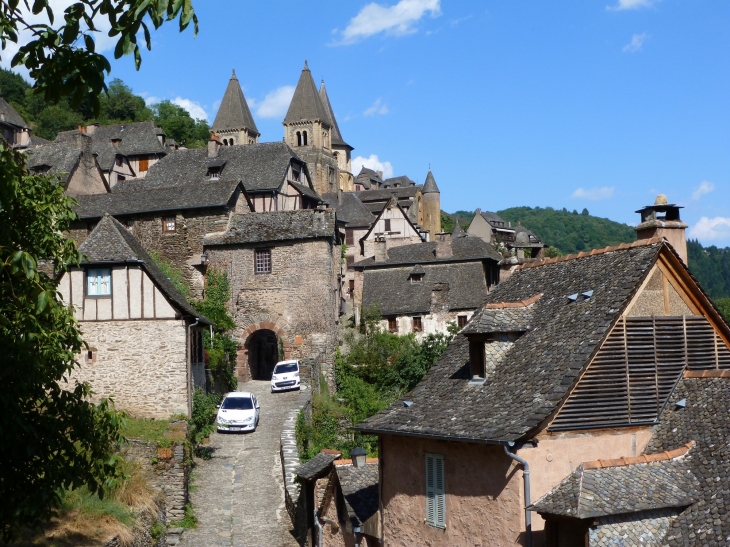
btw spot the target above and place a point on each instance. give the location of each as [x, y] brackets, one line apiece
[597, 104]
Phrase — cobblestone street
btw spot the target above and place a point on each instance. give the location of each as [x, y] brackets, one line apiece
[238, 495]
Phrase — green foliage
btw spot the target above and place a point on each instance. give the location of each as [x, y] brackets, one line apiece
[54, 439]
[147, 429]
[179, 125]
[202, 421]
[119, 104]
[157, 530]
[56, 118]
[90, 505]
[711, 266]
[171, 272]
[464, 218]
[447, 222]
[724, 305]
[12, 86]
[188, 522]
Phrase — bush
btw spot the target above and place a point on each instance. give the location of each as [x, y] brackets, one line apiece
[202, 421]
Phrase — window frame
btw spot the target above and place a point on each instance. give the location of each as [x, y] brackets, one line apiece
[165, 221]
[461, 321]
[349, 236]
[417, 324]
[98, 275]
[435, 493]
[392, 324]
[267, 262]
[478, 358]
[386, 225]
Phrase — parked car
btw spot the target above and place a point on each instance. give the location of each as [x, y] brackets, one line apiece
[285, 376]
[239, 411]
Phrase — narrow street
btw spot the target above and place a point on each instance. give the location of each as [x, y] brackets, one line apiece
[238, 495]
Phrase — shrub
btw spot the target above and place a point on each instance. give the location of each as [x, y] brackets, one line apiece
[202, 421]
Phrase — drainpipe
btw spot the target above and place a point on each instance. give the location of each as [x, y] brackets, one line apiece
[318, 526]
[192, 387]
[526, 477]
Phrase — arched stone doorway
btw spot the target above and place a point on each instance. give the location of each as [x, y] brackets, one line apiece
[263, 354]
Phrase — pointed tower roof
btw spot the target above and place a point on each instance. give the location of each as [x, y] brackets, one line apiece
[430, 185]
[233, 112]
[306, 103]
[337, 139]
[458, 231]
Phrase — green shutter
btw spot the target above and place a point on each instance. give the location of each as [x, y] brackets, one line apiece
[435, 492]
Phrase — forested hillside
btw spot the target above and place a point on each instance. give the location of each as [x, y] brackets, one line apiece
[119, 105]
[568, 232]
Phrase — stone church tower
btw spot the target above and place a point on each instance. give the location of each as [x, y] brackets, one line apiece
[430, 217]
[308, 130]
[234, 123]
[341, 150]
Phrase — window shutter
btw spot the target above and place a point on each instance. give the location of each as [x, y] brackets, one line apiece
[435, 492]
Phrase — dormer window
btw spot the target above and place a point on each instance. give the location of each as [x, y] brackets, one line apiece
[416, 278]
[295, 175]
[214, 173]
[478, 360]
[41, 169]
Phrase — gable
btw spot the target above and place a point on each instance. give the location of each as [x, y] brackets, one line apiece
[392, 222]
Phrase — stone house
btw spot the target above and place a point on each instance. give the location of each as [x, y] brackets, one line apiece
[145, 345]
[392, 227]
[345, 497]
[421, 288]
[516, 239]
[571, 360]
[368, 179]
[12, 126]
[283, 269]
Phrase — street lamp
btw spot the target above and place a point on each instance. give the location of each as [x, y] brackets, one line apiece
[358, 456]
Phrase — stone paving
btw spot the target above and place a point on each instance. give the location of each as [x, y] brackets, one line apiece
[238, 495]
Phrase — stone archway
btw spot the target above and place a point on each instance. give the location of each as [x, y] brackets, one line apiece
[263, 354]
[250, 350]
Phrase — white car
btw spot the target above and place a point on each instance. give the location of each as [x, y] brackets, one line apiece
[285, 376]
[239, 411]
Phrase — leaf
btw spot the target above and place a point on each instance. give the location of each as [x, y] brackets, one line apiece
[42, 302]
[89, 41]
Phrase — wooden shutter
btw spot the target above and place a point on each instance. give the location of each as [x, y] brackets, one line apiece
[144, 164]
[435, 491]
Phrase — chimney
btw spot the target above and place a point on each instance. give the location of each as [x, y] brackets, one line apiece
[91, 128]
[82, 129]
[662, 220]
[477, 212]
[339, 196]
[381, 249]
[440, 298]
[213, 144]
[443, 245]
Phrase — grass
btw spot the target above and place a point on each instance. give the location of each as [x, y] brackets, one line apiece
[162, 432]
[188, 521]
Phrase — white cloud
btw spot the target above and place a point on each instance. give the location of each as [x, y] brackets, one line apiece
[194, 108]
[378, 107]
[636, 43]
[275, 104]
[708, 229]
[374, 163]
[705, 187]
[149, 99]
[632, 4]
[604, 192]
[397, 20]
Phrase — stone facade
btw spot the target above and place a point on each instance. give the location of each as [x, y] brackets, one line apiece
[142, 364]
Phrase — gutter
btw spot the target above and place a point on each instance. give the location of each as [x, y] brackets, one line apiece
[318, 526]
[431, 436]
[526, 477]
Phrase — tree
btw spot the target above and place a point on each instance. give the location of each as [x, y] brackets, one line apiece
[179, 125]
[12, 86]
[120, 104]
[54, 119]
[53, 438]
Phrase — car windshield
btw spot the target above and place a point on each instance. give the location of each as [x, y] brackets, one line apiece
[237, 403]
[285, 367]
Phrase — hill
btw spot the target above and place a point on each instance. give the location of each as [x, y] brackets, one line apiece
[568, 232]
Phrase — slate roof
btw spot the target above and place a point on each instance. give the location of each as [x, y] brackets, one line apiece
[501, 320]
[351, 210]
[430, 185]
[336, 138]
[136, 138]
[233, 113]
[462, 248]
[11, 115]
[306, 104]
[523, 236]
[402, 182]
[316, 467]
[260, 166]
[360, 490]
[595, 492]
[458, 231]
[392, 290]
[368, 176]
[402, 192]
[61, 158]
[276, 226]
[542, 364]
[134, 197]
[492, 217]
[112, 242]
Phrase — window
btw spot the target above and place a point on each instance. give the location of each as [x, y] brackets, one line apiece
[98, 282]
[477, 358]
[168, 224]
[129, 224]
[387, 224]
[263, 261]
[417, 324]
[144, 164]
[90, 227]
[214, 173]
[416, 278]
[299, 138]
[304, 138]
[435, 493]
[349, 261]
[121, 178]
[352, 288]
[349, 237]
[392, 324]
[461, 321]
[295, 175]
[118, 161]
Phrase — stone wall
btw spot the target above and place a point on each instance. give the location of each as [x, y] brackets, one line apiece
[296, 504]
[143, 364]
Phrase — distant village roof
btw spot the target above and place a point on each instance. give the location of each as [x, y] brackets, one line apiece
[398, 182]
[59, 158]
[133, 139]
[233, 112]
[11, 115]
[360, 490]
[259, 167]
[337, 139]
[306, 104]
[351, 209]
[111, 242]
[542, 364]
[385, 194]
[430, 185]
[368, 176]
[458, 231]
[462, 248]
[276, 226]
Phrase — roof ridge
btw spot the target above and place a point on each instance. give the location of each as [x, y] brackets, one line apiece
[521, 304]
[717, 373]
[593, 252]
[644, 458]
[349, 462]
